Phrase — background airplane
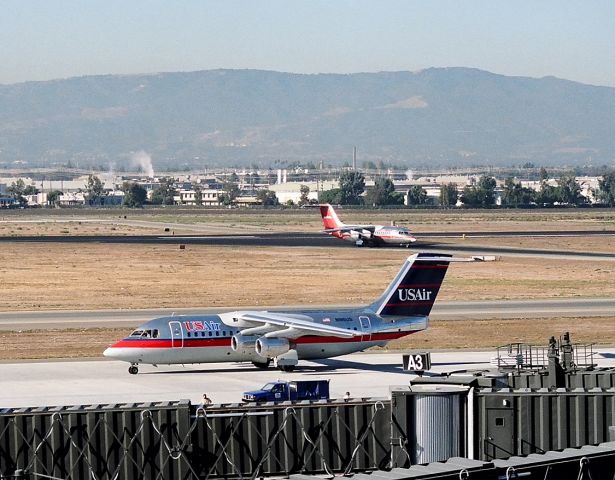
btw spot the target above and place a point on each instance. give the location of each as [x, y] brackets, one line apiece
[287, 337]
[370, 235]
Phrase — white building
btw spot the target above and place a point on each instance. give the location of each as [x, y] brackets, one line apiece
[209, 197]
[292, 190]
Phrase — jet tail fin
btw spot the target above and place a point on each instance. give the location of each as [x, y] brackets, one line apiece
[415, 288]
[329, 218]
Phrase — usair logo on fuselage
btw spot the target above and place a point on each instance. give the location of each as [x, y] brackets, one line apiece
[414, 294]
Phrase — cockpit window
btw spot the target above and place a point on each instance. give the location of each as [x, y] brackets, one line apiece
[137, 333]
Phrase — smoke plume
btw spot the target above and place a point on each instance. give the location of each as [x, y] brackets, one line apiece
[143, 162]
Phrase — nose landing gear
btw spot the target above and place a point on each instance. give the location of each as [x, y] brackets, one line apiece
[133, 369]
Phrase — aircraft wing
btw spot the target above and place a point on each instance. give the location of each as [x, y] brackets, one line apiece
[349, 228]
[286, 326]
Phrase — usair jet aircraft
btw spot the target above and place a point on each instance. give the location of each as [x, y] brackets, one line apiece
[287, 337]
[364, 235]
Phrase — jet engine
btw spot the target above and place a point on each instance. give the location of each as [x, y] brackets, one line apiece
[355, 235]
[243, 343]
[272, 347]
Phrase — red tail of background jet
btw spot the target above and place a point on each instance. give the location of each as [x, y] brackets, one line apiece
[330, 220]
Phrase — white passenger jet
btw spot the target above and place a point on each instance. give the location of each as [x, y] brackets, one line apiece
[362, 235]
[287, 337]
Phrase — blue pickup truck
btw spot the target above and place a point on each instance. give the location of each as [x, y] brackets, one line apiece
[282, 391]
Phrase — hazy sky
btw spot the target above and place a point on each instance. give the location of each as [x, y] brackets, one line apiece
[47, 39]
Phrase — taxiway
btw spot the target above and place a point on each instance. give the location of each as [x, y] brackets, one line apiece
[475, 310]
[34, 384]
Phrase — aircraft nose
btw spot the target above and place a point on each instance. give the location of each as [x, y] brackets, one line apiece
[109, 352]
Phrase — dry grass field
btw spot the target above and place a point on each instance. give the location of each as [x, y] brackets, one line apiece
[41, 276]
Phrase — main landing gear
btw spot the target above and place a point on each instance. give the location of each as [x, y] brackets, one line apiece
[133, 369]
[262, 365]
[287, 368]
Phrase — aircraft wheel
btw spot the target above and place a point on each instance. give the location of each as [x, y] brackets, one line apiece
[262, 365]
[287, 368]
[133, 369]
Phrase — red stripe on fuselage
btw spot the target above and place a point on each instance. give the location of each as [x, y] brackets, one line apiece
[166, 342]
[226, 342]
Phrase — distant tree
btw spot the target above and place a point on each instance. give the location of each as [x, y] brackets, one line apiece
[330, 196]
[267, 198]
[369, 165]
[514, 195]
[382, 193]
[606, 192]
[417, 195]
[19, 190]
[449, 195]
[53, 197]
[198, 195]
[543, 175]
[568, 190]
[547, 195]
[93, 189]
[290, 203]
[304, 199]
[234, 178]
[134, 195]
[163, 194]
[396, 198]
[230, 193]
[480, 195]
[352, 185]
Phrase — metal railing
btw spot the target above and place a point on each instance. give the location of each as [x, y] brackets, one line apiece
[180, 442]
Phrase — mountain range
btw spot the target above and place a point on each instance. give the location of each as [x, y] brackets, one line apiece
[432, 117]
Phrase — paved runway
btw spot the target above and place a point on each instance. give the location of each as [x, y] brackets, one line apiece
[106, 381]
[426, 243]
[476, 310]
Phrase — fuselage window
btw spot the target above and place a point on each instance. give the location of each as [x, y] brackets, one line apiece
[209, 333]
[188, 334]
[217, 334]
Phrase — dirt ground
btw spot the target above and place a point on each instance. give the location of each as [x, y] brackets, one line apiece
[102, 276]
